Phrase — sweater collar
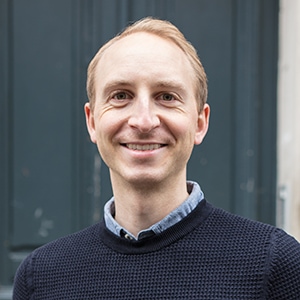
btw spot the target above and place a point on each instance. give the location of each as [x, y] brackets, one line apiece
[196, 195]
[158, 241]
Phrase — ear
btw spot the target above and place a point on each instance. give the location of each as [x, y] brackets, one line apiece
[203, 122]
[90, 122]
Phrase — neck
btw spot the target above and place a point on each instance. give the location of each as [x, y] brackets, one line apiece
[139, 207]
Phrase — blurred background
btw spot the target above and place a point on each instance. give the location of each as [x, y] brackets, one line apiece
[52, 180]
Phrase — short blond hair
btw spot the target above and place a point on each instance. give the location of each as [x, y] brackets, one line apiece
[165, 30]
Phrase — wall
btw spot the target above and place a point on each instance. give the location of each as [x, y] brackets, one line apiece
[288, 203]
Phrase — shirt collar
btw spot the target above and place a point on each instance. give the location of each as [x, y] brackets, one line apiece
[196, 195]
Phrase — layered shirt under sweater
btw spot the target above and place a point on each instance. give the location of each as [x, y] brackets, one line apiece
[209, 254]
[195, 196]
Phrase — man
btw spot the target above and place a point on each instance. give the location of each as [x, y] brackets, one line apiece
[160, 239]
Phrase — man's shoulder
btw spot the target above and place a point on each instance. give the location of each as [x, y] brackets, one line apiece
[229, 219]
[86, 234]
[68, 247]
[237, 227]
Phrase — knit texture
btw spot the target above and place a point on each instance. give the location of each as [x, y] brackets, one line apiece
[210, 254]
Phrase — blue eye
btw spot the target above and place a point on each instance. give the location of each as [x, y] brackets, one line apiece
[167, 97]
[121, 96]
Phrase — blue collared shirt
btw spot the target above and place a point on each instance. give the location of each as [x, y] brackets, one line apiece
[196, 195]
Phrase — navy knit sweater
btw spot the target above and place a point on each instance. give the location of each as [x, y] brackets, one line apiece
[210, 254]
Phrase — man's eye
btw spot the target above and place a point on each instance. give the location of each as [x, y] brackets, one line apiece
[120, 96]
[167, 97]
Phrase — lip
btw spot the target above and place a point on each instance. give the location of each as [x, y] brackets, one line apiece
[148, 147]
[144, 147]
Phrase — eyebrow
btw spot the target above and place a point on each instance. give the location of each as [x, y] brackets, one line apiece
[115, 84]
[174, 84]
[167, 84]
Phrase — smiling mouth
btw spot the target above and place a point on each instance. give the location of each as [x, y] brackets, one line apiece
[144, 147]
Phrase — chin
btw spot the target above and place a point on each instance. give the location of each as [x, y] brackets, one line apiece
[145, 181]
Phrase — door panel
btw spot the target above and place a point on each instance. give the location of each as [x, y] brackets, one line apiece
[53, 181]
[41, 121]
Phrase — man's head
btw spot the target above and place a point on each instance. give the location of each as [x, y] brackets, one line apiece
[144, 114]
[165, 30]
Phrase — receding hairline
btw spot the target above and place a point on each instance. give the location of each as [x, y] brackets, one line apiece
[166, 31]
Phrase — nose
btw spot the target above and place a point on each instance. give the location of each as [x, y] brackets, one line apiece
[143, 115]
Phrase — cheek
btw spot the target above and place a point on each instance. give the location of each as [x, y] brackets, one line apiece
[186, 127]
[107, 127]
[104, 136]
[103, 130]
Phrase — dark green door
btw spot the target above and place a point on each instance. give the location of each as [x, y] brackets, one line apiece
[52, 181]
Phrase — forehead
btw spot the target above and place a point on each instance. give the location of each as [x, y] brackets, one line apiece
[144, 54]
[142, 43]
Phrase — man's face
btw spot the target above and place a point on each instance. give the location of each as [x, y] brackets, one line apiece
[145, 121]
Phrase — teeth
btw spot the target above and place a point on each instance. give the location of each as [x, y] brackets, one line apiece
[143, 147]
